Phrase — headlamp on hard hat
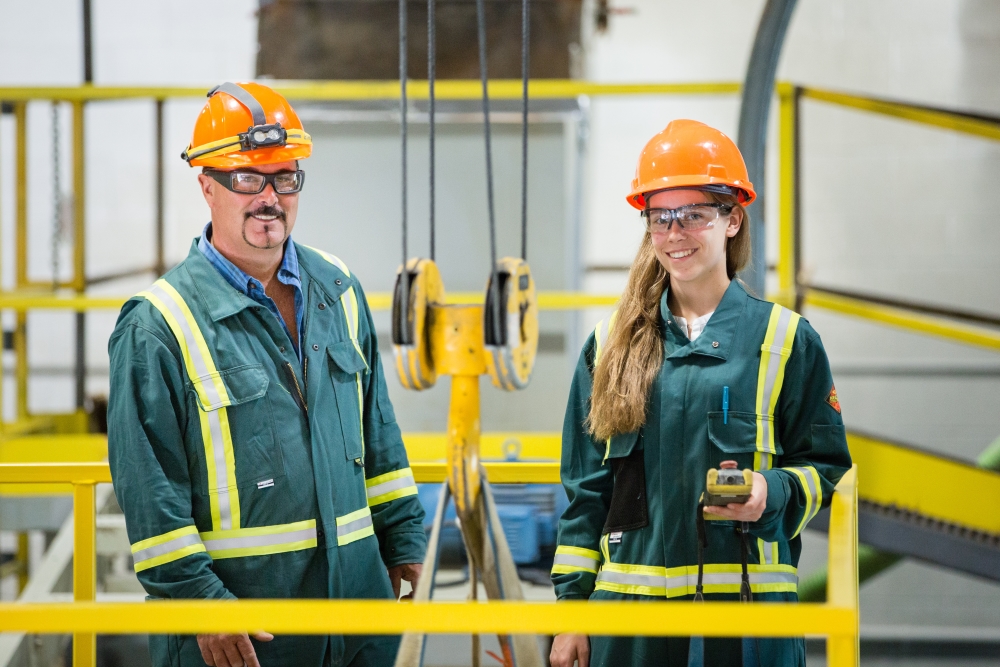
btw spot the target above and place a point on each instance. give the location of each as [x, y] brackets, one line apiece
[262, 136]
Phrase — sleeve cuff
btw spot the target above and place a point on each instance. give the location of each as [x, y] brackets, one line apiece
[777, 498]
[404, 547]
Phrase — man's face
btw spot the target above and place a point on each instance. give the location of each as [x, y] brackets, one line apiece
[245, 222]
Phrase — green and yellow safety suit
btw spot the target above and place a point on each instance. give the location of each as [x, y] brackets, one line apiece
[245, 473]
[630, 530]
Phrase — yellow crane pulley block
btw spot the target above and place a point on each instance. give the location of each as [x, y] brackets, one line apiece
[411, 342]
[511, 358]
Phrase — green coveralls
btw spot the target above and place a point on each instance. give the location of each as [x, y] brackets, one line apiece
[783, 420]
[244, 473]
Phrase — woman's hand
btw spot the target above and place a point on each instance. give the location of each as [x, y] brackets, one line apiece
[568, 649]
[752, 509]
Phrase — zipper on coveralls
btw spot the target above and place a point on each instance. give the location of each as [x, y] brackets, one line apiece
[294, 381]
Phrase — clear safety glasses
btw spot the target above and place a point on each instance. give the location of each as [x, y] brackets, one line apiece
[253, 182]
[691, 218]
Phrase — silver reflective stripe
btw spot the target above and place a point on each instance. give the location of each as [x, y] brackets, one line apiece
[219, 455]
[774, 363]
[576, 561]
[390, 486]
[650, 580]
[736, 578]
[166, 547]
[810, 486]
[251, 541]
[354, 526]
[766, 552]
[204, 378]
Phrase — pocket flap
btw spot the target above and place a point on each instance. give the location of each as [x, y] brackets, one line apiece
[242, 384]
[735, 434]
[623, 444]
[346, 356]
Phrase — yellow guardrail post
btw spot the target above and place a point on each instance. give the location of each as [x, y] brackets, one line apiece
[84, 565]
[788, 104]
[842, 587]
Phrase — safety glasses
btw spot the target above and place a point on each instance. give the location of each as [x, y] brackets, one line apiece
[253, 182]
[691, 218]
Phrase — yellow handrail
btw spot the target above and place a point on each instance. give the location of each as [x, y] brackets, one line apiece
[948, 120]
[837, 618]
[468, 89]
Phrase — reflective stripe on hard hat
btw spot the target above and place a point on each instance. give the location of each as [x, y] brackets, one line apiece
[260, 541]
[575, 559]
[166, 548]
[390, 486]
[224, 501]
[354, 526]
[678, 581]
[219, 147]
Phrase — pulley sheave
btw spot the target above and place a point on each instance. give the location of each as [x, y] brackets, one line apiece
[411, 342]
[511, 358]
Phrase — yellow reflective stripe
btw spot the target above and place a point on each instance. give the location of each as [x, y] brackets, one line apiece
[575, 559]
[260, 541]
[809, 479]
[775, 351]
[166, 548]
[354, 526]
[390, 486]
[333, 259]
[220, 460]
[679, 581]
[219, 146]
[768, 552]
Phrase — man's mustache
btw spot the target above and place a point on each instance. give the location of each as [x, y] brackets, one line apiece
[266, 209]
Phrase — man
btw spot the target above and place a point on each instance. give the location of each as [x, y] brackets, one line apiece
[252, 443]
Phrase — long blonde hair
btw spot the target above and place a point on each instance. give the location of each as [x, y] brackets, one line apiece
[633, 354]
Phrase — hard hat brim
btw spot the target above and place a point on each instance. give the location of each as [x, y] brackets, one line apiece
[259, 157]
[637, 197]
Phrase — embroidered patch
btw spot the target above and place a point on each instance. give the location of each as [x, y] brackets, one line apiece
[615, 538]
[265, 484]
[832, 399]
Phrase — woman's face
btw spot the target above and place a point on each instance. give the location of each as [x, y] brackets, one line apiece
[692, 255]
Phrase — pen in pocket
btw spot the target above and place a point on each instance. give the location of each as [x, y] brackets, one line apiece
[725, 405]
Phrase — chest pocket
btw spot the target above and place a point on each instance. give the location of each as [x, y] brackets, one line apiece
[246, 428]
[736, 437]
[346, 366]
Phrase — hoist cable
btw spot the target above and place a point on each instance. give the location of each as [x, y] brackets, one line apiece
[431, 75]
[525, 40]
[494, 296]
[404, 282]
[56, 197]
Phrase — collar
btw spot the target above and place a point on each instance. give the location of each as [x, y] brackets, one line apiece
[716, 340]
[222, 302]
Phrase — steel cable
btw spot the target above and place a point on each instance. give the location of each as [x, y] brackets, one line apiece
[494, 296]
[525, 41]
[431, 75]
[404, 282]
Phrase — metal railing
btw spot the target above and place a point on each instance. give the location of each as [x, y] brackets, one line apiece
[837, 619]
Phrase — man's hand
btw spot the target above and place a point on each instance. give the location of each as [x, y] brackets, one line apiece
[752, 509]
[231, 650]
[408, 571]
[568, 649]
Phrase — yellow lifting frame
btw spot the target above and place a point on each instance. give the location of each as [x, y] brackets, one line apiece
[838, 619]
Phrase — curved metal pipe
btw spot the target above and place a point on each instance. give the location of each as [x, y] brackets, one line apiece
[758, 88]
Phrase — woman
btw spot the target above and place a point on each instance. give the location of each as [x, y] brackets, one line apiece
[691, 371]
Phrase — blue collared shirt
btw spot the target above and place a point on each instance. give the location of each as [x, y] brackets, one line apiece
[288, 273]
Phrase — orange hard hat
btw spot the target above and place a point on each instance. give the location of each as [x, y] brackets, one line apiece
[246, 124]
[689, 154]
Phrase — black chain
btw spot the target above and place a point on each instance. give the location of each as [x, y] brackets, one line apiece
[403, 76]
